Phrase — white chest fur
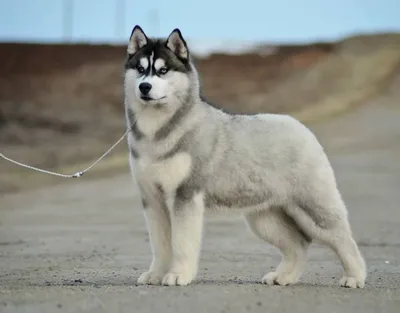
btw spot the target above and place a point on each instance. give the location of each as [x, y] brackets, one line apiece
[169, 173]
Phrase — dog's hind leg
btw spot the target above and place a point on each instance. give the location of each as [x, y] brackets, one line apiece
[278, 229]
[354, 265]
[329, 224]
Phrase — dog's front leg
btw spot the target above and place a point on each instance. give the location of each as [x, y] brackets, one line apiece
[186, 213]
[159, 228]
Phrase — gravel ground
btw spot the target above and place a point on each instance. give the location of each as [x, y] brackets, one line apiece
[80, 246]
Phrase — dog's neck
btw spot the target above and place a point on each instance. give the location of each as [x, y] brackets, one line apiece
[153, 122]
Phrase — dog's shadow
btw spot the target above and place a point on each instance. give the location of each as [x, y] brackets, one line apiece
[132, 283]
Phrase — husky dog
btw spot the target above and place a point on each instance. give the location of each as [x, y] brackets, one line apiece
[189, 157]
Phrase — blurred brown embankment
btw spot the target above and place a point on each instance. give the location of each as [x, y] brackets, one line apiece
[62, 105]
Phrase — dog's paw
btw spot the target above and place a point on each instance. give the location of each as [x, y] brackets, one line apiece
[276, 278]
[150, 278]
[352, 282]
[177, 279]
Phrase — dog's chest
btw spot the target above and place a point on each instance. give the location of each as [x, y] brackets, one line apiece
[152, 170]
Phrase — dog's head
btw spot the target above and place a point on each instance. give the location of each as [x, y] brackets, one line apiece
[158, 71]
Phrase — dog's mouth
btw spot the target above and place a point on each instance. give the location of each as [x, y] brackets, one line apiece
[147, 98]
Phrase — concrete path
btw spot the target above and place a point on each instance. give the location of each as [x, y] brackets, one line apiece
[80, 246]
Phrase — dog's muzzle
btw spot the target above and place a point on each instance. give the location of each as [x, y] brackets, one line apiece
[145, 88]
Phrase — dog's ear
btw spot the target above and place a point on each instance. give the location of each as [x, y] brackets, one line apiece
[177, 44]
[137, 40]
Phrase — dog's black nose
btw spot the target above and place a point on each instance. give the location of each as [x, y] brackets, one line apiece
[145, 88]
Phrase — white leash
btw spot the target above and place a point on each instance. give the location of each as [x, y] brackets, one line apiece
[77, 174]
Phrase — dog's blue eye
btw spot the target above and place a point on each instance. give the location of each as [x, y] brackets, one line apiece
[140, 69]
[163, 70]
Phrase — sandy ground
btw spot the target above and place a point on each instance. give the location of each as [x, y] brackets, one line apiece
[80, 246]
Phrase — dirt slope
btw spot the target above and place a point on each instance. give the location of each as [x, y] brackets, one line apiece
[61, 105]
